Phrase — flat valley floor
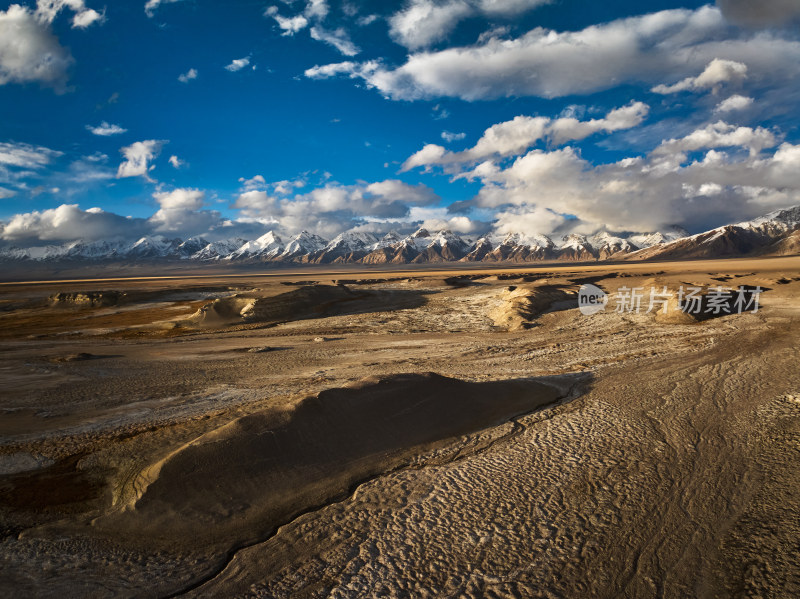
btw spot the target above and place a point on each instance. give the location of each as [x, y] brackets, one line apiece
[415, 433]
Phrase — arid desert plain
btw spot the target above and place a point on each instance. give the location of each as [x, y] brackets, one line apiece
[400, 433]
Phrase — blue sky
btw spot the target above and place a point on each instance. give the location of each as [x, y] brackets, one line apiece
[192, 117]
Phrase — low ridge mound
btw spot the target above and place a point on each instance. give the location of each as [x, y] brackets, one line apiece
[237, 483]
[423, 283]
[87, 299]
[310, 301]
[305, 302]
[223, 310]
[519, 306]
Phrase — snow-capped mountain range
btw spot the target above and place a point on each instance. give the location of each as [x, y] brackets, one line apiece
[773, 233]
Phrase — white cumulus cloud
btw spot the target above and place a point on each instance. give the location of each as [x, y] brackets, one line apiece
[181, 212]
[735, 176]
[339, 68]
[735, 102]
[338, 38]
[47, 11]
[517, 135]
[180, 199]
[138, 156]
[715, 74]
[317, 9]
[451, 137]
[238, 64]
[188, 76]
[289, 25]
[334, 208]
[720, 135]
[424, 22]
[68, 222]
[84, 19]
[105, 129]
[29, 51]
[25, 155]
[528, 220]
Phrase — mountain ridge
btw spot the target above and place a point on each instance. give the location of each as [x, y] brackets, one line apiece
[777, 233]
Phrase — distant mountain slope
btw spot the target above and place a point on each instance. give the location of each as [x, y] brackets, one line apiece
[773, 234]
[777, 233]
[785, 246]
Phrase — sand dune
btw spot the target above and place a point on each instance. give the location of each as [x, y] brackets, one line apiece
[237, 483]
[308, 301]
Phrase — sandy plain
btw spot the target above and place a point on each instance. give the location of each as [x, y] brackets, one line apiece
[399, 433]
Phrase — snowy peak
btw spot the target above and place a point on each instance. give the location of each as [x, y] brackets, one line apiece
[268, 241]
[420, 233]
[192, 245]
[388, 239]
[303, 243]
[605, 238]
[267, 246]
[529, 241]
[217, 250]
[154, 246]
[779, 219]
[418, 241]
[351, 242]
[607, 245]
[446, 238]
[791, 216]
[95, 249]
[345, 247]
[646, 240]
[574, 242]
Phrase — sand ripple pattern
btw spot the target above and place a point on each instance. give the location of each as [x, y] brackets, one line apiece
[645, 495]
